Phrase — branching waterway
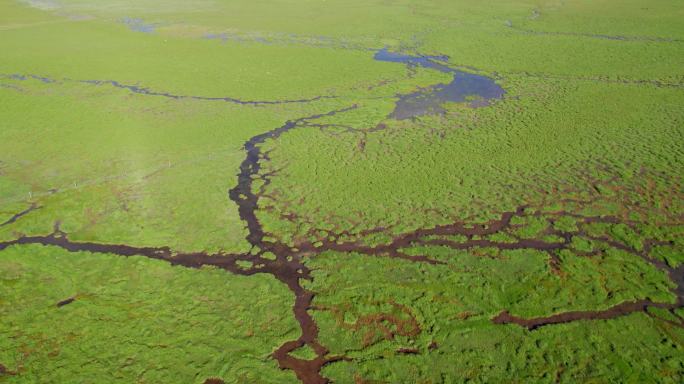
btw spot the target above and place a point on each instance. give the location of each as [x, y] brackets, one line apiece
[289, 268]
[286, 263]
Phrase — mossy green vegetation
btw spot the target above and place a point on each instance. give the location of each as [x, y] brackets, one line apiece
[458, 342]
[136, 320]
[216, 191]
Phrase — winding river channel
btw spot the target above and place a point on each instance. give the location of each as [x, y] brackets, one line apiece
[286, 263]
[464, 86]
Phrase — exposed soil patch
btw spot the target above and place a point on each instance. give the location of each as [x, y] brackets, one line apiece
[213, 380]
[5, 371]
[408, 351]
[378, 326]
[66, 302]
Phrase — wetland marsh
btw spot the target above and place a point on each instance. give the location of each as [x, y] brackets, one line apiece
[288, 191]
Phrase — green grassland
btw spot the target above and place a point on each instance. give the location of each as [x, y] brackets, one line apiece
[457, 342]
[136, 321]
[126, 123]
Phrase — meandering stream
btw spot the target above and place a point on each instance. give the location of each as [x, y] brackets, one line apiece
[464, 86]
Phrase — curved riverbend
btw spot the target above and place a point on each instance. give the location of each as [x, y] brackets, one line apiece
[463, 87]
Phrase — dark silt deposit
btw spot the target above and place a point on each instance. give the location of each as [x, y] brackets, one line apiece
[5, 371]
[66, 302]
[464, 87]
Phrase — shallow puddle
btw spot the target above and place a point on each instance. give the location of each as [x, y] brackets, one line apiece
[138, 25]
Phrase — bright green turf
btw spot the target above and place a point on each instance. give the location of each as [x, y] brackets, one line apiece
[454, 305]
[136, 320]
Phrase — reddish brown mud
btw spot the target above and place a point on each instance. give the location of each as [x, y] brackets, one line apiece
[561, 240]
[287, 267]
[66, 302]
[213, 380]
[418, 237]
[375, 327]
[676, 275]
[243, 195]
[621, 309]
[5, 371]
[192, 260]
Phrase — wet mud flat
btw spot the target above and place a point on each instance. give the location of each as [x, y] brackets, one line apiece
[465, 87]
